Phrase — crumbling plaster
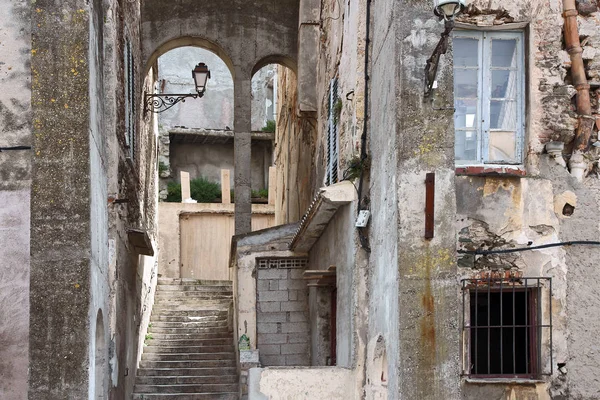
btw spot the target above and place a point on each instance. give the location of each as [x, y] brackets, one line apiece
[15, 183]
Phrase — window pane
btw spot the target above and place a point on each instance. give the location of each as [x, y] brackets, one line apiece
[504, 84]
[465, 52]
[504, 53]
[465, 83]
[466, 145]
[502, 146]
[465, 115]
[503, 115]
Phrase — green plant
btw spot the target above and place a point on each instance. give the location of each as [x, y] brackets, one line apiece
[354, 167]
[148, 337]
[270, 126]
[162, 167]
[263, 193]
[337, 110]
[201, 189]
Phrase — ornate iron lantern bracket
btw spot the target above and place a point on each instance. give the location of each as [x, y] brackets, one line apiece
[158, 103]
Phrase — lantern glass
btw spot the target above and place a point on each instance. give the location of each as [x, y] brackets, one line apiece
[201, 75]
[448, 8]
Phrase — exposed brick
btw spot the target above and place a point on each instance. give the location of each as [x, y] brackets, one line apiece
[272, 338]
[298, 338]
[294, 306]
[269, 349]
[294, 327]
[296, 273]
[272, 274]
[279, 295]
[268, 361]
[294, 284]
[262, 285]
[267, 307]
[272, 317]
[298, 360]
[266, 328]
[298, 316]
[300, 348]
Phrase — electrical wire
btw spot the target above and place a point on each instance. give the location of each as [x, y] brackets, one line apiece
[15, 148]
[543, 246]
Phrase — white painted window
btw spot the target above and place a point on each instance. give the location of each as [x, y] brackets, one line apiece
[332, 158]
[130, 112]
[489, 97]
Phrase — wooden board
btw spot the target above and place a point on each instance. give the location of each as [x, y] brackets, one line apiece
[205, 242]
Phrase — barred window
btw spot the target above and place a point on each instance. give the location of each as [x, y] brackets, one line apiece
[507, 326]
[331, 175]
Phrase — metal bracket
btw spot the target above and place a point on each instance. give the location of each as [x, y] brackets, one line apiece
[158, 103]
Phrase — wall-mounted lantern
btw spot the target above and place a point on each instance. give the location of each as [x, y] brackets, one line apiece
[158, 103]
[446, 10]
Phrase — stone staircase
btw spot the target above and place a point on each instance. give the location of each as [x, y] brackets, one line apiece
[189, 352]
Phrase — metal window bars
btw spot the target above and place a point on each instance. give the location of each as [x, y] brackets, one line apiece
[507, 326]
[281, 263]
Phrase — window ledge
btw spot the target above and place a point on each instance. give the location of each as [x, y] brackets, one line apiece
[488, 170]
[505, 381]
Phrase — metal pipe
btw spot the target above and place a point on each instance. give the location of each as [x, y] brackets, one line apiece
[573, 47]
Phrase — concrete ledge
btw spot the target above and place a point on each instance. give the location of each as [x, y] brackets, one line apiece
[300, 383]
[320, 212]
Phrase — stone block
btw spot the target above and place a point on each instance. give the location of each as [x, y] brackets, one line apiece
[294, 306]
[270, 349]
[269, 306]
[294, 327]
[262, 285]
[274, 360]
[274, 285]
[266, 328]
[272, 274]
[274, 338]
[293, 295]
[298, 338]
[248, 356]
[271, 317]
[293, 284]
[297, 360]
[296, 273]
[298, 316]
[299, 348]
[279, 295]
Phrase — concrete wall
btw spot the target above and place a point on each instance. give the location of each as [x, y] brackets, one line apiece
[15, 182]
[207, 160]
[301, 384]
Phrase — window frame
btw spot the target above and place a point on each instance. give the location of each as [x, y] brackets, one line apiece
[538, 321]
[484, 96]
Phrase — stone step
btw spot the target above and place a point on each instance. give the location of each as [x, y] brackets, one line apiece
[186, 371]
[175, 299]
[189, 324]
[187, 356]
[187, 396]
[224, 331]
[189, 342]
[188, 349]
[179, 380]
[190, 281]
[189, 388]
[193, 294]
[187, 364]
[193, 288]
[193, 313]
[212, 305]
[188, 318]
[193, 336]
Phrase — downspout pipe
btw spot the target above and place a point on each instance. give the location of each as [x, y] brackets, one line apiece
[584, 107]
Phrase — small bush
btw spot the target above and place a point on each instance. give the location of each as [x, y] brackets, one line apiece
[263, 193]
[270, 126]
[202, 190]
[162, 167]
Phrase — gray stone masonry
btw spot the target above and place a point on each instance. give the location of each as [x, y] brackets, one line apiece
[281, 317]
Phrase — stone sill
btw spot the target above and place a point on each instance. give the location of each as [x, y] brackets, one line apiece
[504, 381]
[484, 170]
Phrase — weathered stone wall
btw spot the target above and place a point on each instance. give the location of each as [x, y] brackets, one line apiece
[15, 182]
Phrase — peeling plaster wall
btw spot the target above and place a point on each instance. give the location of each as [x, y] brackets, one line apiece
[15, 183]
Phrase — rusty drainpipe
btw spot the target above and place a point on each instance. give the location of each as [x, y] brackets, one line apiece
[583, 133]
